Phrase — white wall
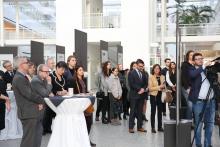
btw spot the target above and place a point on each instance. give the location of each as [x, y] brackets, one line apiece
[68, 18]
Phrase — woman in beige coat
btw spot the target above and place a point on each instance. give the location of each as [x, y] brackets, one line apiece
[156, 85]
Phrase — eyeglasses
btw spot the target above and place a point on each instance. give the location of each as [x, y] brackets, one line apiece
[45, 71]
[140, 66]
[25, 62]
[10, 65]
[199, 59]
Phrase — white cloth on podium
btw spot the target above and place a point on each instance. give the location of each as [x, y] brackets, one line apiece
[69, 126]
[13, 128]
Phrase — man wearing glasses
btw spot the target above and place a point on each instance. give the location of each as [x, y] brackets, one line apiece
[30, 105]
[203, 100]
[42, 86]
[9, 73]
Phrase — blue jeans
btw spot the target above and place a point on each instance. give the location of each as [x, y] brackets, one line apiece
[189, 104]
[208, 120]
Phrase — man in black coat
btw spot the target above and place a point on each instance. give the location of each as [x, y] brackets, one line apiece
[164, 72]
[9, 74]
[137, 81]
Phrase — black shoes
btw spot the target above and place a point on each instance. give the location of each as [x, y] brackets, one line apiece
[47, 132]
[92, 144]
[119, 116]
[160, 130]
[105, 121]
[96, 118]
[124, 117]
[153, 130]
[144, 118]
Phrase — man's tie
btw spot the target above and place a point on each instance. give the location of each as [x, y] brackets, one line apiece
[12, 74]
[140, 75]
[26, 77]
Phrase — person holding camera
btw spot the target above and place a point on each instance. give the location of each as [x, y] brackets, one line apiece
[202, 97]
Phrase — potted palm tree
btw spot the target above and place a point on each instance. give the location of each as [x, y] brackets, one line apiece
[195, 15]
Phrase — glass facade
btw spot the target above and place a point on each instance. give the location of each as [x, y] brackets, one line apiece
[26, 20]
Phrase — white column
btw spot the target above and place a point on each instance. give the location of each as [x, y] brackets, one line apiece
[17, 19]
[1, 24]
[163, 28]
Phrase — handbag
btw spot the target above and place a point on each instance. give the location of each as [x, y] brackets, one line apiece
[167, 96]
[90, 109]
[100, 94]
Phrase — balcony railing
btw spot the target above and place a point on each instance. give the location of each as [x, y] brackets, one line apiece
[10, 34]
[98, 20]
[205, 29]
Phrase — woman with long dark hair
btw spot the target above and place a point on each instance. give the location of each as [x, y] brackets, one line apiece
[79, 86]
[156, 85]
[186, 82]
[104, 104]
[171, 80]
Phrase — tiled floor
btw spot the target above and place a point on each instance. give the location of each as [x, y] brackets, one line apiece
[118, 136]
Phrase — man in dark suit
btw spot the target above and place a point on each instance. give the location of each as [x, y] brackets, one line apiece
[41, 84]
[137, 81]
[167, 62]
[9, 74]
[30, 105]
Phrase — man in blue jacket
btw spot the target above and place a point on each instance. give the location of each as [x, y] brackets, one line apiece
[202, 97]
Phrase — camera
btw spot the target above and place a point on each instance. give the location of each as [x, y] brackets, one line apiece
[212, 76]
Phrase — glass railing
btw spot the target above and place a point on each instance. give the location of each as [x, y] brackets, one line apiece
[11, 34]
[204, 29]
[98, 20]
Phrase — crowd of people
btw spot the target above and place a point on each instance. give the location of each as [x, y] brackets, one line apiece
[122, 93]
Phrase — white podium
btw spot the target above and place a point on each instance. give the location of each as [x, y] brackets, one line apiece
[69, 126]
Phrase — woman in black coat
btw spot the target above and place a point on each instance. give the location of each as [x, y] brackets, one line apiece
[79, 86]
[4, 101]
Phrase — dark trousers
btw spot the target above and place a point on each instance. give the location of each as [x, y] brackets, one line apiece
[99, 107]
[155, 102]
[88, 122]
[47, 119]
[32, 132]
[2, 115]
[164, 107]
[125, 101]
[136, 112]
[106, 107]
